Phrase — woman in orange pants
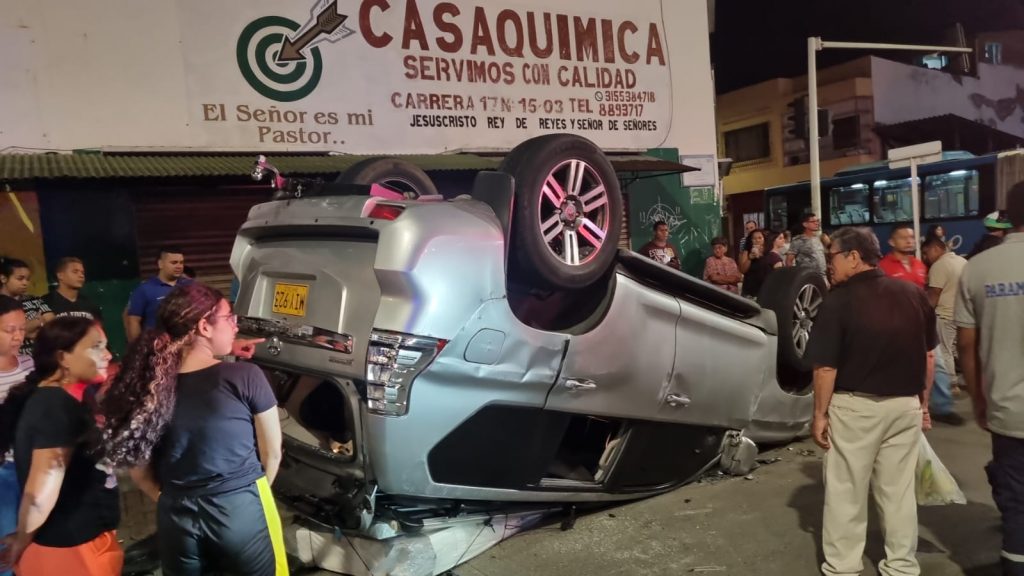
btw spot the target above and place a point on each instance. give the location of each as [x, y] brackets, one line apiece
[70, 507]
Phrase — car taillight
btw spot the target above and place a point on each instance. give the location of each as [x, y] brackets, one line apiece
[393, 361]
[385, 212]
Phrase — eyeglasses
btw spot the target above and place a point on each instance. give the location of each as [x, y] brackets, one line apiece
[832, 255]
[232, 318]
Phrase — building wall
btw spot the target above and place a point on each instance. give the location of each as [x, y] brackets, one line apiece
[844, 90]
[22, 234]
[1010, 44]
[994, 98]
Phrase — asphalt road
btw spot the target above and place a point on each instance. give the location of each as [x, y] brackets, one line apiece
[768, 525]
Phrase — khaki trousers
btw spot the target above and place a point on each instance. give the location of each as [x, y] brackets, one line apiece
[874, 445]
[947, 343]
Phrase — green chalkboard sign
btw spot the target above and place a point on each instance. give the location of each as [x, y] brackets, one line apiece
[692, 214]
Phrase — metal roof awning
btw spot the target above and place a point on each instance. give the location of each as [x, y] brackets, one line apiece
[100, 166]
[51, 166]
[955, 132]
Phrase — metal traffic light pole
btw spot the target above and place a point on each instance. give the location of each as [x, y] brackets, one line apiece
[814, 44]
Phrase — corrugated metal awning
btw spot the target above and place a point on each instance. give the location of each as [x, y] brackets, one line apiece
[48, 166]
[52, 166]
[955, 132]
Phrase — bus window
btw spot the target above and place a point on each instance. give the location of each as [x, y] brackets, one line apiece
[893, 200]
[848, 205]
[778, 216]
[951, 195]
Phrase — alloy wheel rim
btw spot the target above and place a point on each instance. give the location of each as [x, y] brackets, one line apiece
[805, 310]
[574, 212]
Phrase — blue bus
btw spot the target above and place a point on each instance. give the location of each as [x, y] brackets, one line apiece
[956, 192]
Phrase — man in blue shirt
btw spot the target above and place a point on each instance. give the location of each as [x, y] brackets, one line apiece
[145, 300]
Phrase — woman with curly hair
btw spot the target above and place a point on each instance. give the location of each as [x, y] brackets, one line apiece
[202, 438]
[70, 505]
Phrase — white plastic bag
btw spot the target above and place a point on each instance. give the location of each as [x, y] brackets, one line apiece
[935, 486]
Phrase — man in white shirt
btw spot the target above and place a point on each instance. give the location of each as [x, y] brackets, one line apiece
[945, 268]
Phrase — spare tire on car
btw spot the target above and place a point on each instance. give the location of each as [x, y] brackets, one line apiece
[567, 212]
[795, 295]
[394, 174]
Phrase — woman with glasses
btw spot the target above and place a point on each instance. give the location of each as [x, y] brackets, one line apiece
[202, 438]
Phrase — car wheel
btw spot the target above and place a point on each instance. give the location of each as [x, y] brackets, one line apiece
[567, 211]
[795, 295]
[394, 174]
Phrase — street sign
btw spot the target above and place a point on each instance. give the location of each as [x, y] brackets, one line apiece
[912, 156]
[920, 153]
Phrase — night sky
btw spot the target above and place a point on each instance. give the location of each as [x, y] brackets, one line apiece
[756, 40]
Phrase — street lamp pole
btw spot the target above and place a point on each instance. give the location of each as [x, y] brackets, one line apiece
[814, 45]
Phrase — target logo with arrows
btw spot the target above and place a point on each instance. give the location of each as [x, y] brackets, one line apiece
[281, 59]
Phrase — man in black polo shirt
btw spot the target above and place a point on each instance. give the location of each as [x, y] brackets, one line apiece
[871, 349]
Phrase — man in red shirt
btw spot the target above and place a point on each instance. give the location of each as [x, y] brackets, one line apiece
[901, 263]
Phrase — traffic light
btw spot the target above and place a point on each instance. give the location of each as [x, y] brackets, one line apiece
[797, 127]
[824, 122]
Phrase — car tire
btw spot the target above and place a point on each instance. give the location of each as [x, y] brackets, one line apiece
[795, 295]
[397, 175]
[567, 212]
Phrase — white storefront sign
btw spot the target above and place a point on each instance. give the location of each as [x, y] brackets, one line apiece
[355, 76]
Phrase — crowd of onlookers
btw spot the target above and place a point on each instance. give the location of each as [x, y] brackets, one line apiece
[760, 251]
[198, 434]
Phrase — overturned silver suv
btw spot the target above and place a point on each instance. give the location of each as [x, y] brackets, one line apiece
[436, 355]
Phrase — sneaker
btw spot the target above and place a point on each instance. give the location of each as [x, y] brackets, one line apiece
[952, 418]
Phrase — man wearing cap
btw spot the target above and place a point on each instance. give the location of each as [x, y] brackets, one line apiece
[996, 227]
[989, 314]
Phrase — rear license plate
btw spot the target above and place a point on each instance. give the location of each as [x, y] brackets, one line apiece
[290, 299]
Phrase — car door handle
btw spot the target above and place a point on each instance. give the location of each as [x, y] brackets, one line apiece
[580, 384]
[676, 400]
